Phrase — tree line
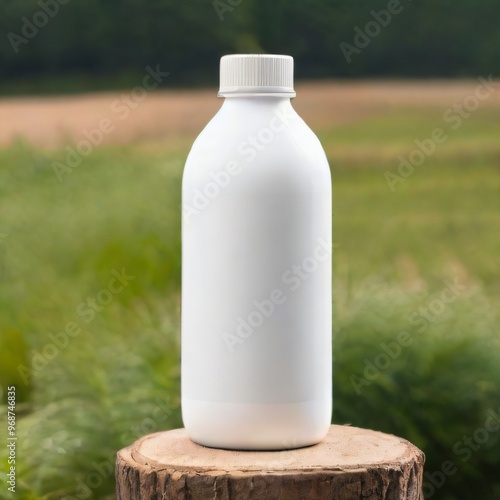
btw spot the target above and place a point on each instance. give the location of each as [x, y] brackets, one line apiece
[328, 38]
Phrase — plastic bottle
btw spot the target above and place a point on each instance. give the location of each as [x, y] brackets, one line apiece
[256, 276]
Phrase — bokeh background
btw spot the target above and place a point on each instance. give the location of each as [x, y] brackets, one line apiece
[404, 98]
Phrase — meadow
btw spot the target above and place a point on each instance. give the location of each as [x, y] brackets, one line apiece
[90, 295]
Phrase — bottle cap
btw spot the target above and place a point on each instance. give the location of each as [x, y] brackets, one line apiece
[256, 74]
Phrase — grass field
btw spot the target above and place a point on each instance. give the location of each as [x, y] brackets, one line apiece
[96, 367]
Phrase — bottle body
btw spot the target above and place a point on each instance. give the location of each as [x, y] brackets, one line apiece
[256, 282]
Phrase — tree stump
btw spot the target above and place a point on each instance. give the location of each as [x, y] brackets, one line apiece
[349, 464]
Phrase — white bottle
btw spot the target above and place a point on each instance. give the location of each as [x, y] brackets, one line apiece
[256, 268]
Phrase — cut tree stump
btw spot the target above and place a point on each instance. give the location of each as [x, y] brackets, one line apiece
[349, 464]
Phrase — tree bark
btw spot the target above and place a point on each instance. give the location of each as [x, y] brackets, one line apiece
[349, 464]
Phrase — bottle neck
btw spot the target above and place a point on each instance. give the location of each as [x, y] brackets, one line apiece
[257, 101]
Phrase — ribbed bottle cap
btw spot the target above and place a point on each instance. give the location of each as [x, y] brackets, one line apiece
[256, 74]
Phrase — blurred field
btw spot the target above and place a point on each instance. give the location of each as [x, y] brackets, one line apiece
[118, 212]
[55, 121]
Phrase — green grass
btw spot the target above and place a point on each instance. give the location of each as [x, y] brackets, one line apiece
[394, 253]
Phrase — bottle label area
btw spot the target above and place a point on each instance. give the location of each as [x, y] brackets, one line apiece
[256, 299]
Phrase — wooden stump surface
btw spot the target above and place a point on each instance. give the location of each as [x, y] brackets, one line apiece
[349, 464]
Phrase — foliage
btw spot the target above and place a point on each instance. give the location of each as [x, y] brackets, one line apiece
[102, 43]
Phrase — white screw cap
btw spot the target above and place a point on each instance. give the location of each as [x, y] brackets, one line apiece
[256, 74]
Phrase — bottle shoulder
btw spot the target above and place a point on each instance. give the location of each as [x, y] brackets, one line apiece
[235, 131]
[271, 144]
